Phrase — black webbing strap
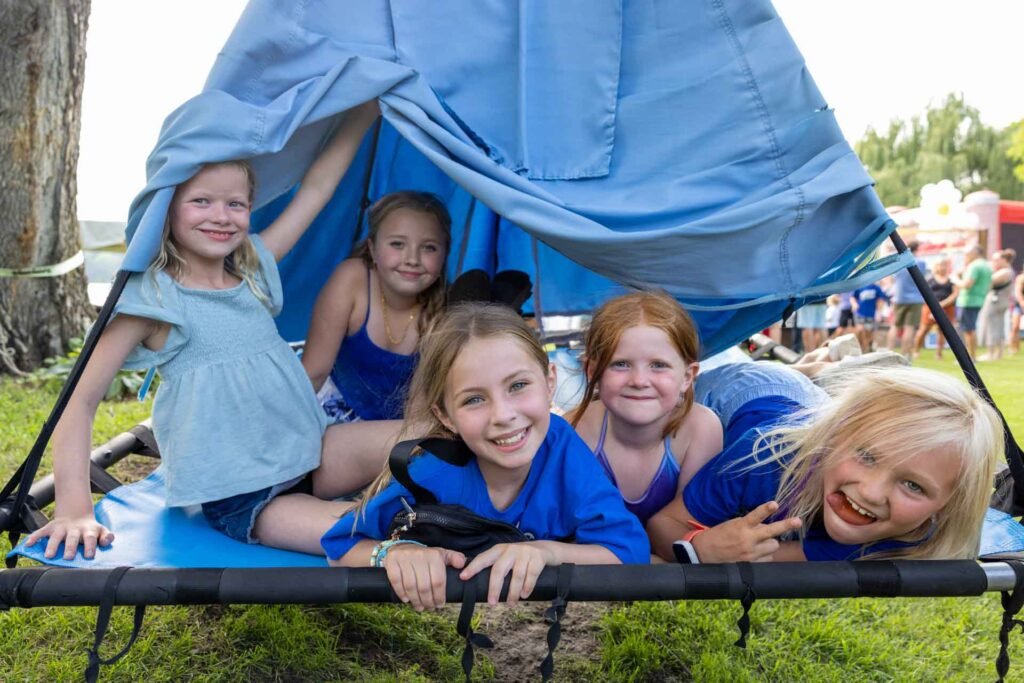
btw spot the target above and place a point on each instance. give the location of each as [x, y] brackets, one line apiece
[92, 671]
[788, 312]
[1012, 603]
[452, 451]
[364, 201]
[1014, 457]
[878, 579]
[464, 627]
[11, 561]
[20, 594]
[747, 601]
[553, 615]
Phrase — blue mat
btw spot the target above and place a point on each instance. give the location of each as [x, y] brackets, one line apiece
[149, 534]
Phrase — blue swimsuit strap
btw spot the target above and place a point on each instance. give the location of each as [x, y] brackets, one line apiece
[667, 461]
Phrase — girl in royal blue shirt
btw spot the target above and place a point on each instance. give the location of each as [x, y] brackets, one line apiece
[898, 463]
[485, 379]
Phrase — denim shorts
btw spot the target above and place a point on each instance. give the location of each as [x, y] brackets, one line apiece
[967, 316]
[726, 388]
[236, 516]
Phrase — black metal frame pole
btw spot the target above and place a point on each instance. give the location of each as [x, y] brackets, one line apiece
[48, 586]
[956, 345]
[23, 477]
[364, 201]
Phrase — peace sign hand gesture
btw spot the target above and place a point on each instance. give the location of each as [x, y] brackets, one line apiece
[744, 539]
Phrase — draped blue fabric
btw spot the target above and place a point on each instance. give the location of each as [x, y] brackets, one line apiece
[595, 144]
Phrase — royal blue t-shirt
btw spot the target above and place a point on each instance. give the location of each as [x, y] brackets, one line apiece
[565, 495]
[867, 300]
[726, 487]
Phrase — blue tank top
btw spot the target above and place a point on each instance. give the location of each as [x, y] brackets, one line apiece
[371, 380]
[660, 491]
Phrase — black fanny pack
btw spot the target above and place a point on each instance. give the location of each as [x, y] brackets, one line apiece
[455, 527]
[443, 525]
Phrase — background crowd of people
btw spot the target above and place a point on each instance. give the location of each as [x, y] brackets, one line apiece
[985, 297]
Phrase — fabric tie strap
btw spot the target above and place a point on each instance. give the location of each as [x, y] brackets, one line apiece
[553, 615]
[464, 626]
[92, 670]
[747, 601]
[1012, 603]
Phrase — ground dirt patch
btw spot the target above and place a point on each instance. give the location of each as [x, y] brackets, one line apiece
[520, 639]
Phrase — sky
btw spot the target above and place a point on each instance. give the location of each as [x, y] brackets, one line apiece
[873, 60]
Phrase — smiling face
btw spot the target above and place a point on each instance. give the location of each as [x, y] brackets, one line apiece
[646, 377]
[209, 215]
[408, 252]
[497, 399]
[871, 496]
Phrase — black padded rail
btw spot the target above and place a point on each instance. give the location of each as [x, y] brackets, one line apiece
[49, 586]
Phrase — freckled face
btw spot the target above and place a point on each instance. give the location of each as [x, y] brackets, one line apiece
[871, 496]
[209, 214]
[646, 378]
[498, 400]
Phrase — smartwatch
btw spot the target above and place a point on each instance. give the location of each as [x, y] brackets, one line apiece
[683, 549]
[685, 552]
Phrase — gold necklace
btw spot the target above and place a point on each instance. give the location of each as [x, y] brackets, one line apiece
[387, 327]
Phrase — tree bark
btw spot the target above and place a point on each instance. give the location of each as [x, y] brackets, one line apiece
[42, 68]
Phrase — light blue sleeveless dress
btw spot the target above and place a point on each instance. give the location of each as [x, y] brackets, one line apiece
[235, 411]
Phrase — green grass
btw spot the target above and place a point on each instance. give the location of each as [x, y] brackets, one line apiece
[805, 640]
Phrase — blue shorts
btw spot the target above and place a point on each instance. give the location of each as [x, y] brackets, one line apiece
[726, 388]
[967, 318]
[236, 516]
[811, 316]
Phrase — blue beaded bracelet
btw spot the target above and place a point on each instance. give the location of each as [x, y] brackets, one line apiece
[380, 551]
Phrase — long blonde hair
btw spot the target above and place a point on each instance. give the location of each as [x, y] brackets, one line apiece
[243, 262]
[439, 349]
[656, 309]
[431, 299]
[898, 410]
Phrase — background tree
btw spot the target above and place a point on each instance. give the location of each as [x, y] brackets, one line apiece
[948, 141]
[42, 66]
[1016, 151]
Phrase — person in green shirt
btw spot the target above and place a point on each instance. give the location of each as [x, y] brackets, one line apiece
[974, 282]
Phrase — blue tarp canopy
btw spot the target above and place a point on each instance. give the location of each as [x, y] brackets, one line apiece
[594, 144]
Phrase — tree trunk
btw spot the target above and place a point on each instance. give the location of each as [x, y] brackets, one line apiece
[42, 67]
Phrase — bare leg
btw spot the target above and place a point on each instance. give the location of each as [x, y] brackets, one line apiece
[907, 342]
[972, 343]
[891, 339]
[1015, 332]
[298, 521]
[922, 332]
[353, 455]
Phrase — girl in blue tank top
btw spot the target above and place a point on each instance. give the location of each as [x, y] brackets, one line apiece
[361, 348]
[235, 418]
[638, 413]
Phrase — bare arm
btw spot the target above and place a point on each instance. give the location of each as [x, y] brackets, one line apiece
[743, 539]
[328, 325]
[951, 299]
[320, 181]
[73, 518]
[669, 525]
[705, 442]
[1002, 277]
